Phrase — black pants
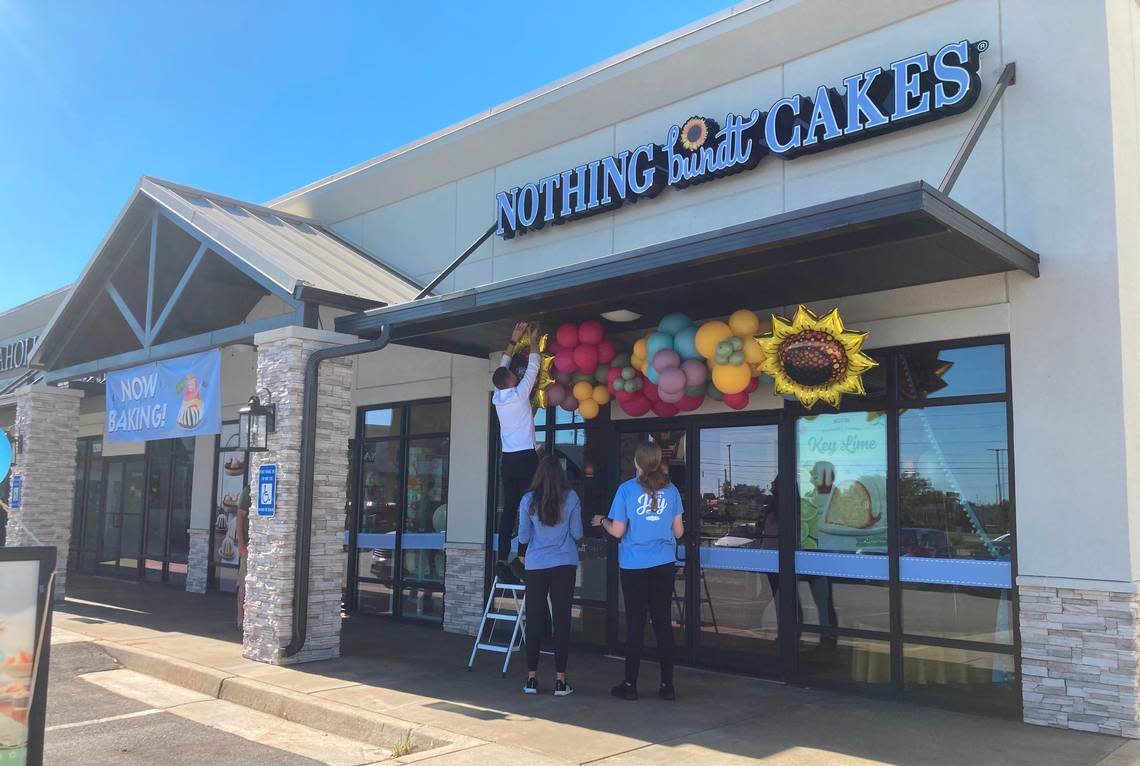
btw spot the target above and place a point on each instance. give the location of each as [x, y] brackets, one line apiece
[517, 471]
[558, 583]
[648, 590]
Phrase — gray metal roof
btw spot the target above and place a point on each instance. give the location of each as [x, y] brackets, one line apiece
[289, 250]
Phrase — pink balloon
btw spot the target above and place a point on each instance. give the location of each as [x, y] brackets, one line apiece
[671, 381]
[586, 358]
[606, 352]
[664, 409]
[561, 377]
[552, 347]
[567, 335]
[556, 394]
[690, 403]
[635, 406]
[736, 401]
[564, 362]
[591, 331]
[650, 390]
[696, 372]
[569, 404]
[666, 358]
[670, 397]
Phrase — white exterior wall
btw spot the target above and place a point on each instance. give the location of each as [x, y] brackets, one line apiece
[1050, 170]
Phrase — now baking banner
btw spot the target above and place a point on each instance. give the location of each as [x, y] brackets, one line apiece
[172, 399]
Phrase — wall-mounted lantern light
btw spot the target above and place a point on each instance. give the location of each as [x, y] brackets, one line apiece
[255, 422]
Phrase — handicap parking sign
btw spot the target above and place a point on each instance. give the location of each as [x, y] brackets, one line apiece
[267, 489]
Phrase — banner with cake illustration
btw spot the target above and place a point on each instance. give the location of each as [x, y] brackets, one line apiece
[171, 399]
[841, 472]
[18, 605]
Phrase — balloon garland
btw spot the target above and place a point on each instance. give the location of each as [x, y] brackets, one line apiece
[815, 358]
[583, 363]
[539, 397]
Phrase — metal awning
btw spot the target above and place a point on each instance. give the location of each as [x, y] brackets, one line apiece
[897, 237]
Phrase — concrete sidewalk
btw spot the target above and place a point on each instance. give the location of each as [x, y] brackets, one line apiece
[399, 678]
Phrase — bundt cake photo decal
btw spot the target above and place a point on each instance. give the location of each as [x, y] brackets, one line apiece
[815, 358]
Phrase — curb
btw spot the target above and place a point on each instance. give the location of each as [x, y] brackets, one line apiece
[297, 707]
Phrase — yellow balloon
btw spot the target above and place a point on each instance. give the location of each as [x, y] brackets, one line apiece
[582, 390]
[744, 323]
[753, 354]
[708, 335]
[640, 350]
[588, 409]
[731, 378]
[601, 395]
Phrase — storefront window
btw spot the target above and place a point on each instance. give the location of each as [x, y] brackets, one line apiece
[936, 372]
[401, 523]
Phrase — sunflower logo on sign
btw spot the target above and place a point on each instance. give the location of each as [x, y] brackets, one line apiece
[696, 131]
[815, 358]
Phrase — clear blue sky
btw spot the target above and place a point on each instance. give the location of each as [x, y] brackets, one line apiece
[252, 99]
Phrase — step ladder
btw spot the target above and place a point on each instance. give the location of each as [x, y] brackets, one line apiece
[515, 616]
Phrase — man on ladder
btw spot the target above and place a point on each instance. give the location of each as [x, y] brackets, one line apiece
[516, 433]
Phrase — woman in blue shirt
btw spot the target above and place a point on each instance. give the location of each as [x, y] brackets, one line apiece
[647, 518]
[550, 524]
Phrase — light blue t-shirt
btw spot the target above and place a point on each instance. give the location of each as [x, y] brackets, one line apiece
[554, 546]
[648, 540]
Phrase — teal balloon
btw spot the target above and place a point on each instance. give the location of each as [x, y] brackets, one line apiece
[672, 324]
[578, 377]
[656, 342]
[652, 375]
[714, 392]
[621, 360]
[736, 343]
[695, 390]
[724, 348]
[628, 373]
[737, 358]
[766, 379]
[634, 385]
[602, 375]
[685, 343]
[619, 384]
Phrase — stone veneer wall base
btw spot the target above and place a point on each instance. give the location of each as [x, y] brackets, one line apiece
[198, 560]
[463, 588]
[1079, 649]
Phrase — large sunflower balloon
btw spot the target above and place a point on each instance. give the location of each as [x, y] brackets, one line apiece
[545, 363]
[815, 358]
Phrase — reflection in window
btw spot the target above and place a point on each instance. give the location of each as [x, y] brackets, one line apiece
[932, 372]
[954, 482]
[845, 659]
[985, 681]
[839, 602]
[381, 423]
[956, 611]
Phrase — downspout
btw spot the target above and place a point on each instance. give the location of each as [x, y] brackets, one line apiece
[305, 490]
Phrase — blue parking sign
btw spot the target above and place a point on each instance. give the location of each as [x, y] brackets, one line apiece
[267, 489]
[15, 491]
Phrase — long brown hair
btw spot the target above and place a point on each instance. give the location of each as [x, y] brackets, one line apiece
[653, 476]
[549, 488]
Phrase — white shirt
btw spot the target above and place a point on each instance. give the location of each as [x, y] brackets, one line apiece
[516, 419]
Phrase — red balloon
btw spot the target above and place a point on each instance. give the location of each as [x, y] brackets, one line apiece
[567, 335]
[690, 403]
[552, 347]
[564, 362]
[613, 374]
[635, 406]
[664, 409]
[586, 358]
[591, 332]
[624, 396]
[752, 385]
[650, 390]
[736, 401]
[606, 351]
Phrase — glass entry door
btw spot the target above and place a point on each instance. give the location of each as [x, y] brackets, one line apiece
[120, 535]
[736, 526]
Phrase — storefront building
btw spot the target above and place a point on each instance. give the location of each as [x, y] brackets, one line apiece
[963, 532]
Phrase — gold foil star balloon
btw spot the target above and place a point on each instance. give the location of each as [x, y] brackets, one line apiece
[545, 367]
[815, 358]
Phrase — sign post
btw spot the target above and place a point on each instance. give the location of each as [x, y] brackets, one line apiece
[267, 489]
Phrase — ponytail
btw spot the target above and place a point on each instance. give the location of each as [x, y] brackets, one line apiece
[653, 477]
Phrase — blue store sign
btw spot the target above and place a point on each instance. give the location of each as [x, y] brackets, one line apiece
[166, 400]
[15, 492]
[267, 489]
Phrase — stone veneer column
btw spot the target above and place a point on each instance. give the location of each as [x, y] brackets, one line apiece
[281, 357]
[47, 420]
[1079, 651]
[198, 560]
[463, 598]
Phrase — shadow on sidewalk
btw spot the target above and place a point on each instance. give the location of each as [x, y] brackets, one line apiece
[418, 673]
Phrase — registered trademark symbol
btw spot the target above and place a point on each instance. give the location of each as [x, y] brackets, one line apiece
[983, 46]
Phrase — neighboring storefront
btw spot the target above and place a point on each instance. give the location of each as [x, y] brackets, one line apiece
[893, 544]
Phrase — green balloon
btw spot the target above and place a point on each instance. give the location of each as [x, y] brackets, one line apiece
[736, 358]
[578, 377]
[714, 392]
[628, 373]
[621, 360]
[695, 390]
[620, 384]
[736, 343]
[603, 374]
[723, 358]
[634, 385]
[724, 348]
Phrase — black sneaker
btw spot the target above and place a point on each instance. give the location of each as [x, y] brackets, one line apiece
[518, 569]
[563, 689]
[531, 686]
[667, 692]
[625, 691]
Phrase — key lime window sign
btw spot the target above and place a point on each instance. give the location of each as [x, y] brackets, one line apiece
[171, 399]
[841, 476]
